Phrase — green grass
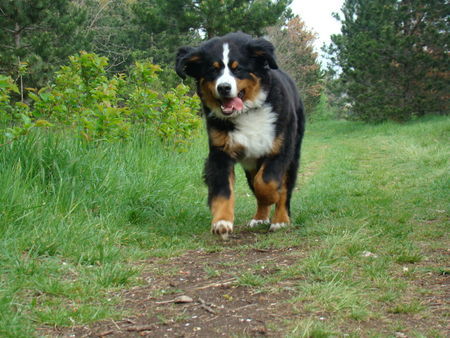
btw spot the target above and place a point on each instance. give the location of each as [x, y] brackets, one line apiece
[75, 219]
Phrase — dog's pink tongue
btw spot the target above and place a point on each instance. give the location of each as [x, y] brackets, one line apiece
[230, 105]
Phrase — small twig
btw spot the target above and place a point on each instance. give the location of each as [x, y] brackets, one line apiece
[127, 320]
[118, 327]
[204, 306]
[243, 307]
[262, 250]
[105, 333]
[211, 319]
[223, 283]
[139, 328]
[208, 309]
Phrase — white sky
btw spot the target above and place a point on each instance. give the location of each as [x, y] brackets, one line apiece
[317, 16]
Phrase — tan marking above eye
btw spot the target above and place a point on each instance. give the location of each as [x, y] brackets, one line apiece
[234, 64]
[194, 58]
[216, 65]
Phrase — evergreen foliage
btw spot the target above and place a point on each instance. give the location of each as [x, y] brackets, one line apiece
[42, 34]
[394, 57]
[165, 25]
[39, 34]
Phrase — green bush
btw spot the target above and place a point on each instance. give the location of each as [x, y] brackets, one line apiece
[17, 114]
[85, 98]
[7, 86]
[171, 115]
[98, 106]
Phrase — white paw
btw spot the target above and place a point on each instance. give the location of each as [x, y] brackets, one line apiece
[222, 228]
[256, 222]
[277, 226]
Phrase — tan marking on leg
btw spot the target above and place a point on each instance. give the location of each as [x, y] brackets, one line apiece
[280, 218]
[266, 193]
[218, 138]
[221, 139]
[277, 144]
[281, 214]
[262, 212]
[222, 209]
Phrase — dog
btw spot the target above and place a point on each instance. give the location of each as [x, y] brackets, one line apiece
[254, 117]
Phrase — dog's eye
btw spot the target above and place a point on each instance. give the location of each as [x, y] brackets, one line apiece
[234, 65]
[216, 66]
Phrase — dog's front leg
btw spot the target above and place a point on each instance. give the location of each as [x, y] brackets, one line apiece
[219, 177]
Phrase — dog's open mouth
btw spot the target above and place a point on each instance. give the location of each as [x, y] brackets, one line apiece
[232, 104]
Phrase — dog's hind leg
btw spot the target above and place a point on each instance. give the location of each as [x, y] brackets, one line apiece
[270, 188]
[273, 185]
[262, 215]
[281, 218]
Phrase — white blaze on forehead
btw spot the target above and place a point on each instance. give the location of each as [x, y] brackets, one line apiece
[227, 76]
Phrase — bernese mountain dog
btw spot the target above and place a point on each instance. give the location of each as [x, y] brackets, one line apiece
[254, 117]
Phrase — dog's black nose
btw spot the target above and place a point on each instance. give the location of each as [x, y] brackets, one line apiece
[224, 89]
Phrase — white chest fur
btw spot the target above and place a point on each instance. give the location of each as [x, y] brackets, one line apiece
[255, 131]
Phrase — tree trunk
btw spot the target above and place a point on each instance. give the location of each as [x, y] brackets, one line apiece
[17, 38]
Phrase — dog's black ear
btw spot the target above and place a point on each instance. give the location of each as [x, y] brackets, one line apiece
[188, 62]
[263, 50]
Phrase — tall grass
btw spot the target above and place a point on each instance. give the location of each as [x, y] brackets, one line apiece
[73, 217]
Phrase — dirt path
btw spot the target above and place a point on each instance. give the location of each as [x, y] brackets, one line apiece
[207, 294]
[219, 301]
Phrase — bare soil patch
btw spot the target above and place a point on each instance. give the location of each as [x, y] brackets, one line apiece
[220, 302]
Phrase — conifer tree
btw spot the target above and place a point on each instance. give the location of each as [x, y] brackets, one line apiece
[41, 34]
[166, 25]
[394, 57]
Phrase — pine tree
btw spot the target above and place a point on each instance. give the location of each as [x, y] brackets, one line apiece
[394, 57]
[39, 33]
[166, 25]
[250, 16]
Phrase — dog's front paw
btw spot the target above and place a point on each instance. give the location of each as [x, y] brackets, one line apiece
[255, 222]
[222, 228]
[277, 226]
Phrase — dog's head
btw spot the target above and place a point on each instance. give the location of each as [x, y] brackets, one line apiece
[229, 71]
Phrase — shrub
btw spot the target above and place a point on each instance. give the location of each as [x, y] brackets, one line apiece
[18, 112]
[171, 115]
[100, 107]
[7, 86]
[85, 98]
